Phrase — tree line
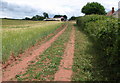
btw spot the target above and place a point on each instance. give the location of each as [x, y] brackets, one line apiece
[45, 15]
[38, 17]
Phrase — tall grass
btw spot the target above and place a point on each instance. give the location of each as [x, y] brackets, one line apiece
[18, 39]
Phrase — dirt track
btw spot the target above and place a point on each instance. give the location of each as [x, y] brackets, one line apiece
[65, 69]
[11, 71]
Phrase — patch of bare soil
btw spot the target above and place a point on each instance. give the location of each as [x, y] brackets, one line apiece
[19, 66]
[65, 69]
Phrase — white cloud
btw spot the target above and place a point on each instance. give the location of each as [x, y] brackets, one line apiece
[68, 7]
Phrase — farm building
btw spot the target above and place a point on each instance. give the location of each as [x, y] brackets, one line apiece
[54, 19]
[57, 18]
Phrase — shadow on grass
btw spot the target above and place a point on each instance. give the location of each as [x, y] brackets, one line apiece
[100, 69]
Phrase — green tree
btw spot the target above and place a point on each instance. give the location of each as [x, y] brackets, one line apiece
[27, 18]
[73, 18]
[37, 17]
[45, 15]
[93, 8]
[65, 17]
[34, 18]
[57, 16]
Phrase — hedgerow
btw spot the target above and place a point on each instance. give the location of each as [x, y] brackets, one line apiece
[106, 32]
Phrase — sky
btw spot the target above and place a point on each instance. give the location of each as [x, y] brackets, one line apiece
[27, 8]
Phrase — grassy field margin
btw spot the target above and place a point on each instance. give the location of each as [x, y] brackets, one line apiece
[87, 63]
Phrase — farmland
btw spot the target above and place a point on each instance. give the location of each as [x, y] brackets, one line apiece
[61, 51]
[16, 39]
[46, 66]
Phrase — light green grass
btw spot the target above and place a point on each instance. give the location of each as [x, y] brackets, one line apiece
[48, 62]
[17, 40]
[17, 22]
[87, 63]
[8, 23]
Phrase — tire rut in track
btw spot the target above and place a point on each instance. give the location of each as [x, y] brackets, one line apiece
[65, 69]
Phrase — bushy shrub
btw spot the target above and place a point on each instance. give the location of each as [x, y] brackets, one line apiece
[106, 32]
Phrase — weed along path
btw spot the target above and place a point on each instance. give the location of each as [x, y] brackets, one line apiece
[11, 71]
[65, 69]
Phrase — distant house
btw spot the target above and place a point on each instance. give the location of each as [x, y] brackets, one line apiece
[55, 19]
[52, 19]
[114, 13]
[110, 13]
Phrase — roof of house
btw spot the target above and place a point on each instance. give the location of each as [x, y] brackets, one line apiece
[110, 13]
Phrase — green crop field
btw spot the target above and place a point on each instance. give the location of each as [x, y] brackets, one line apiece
[11, 23]
[18, 35]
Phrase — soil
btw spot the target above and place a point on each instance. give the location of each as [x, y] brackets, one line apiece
[18, 66]
[65, 69]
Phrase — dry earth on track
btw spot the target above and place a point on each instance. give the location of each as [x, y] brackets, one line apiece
[65, 69]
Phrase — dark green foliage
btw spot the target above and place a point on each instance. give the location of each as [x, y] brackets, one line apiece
[93, 8]
[45, 15]
[73, 18]
[106, 33]
[26, 18]
[59, 16]
[37, 17]
[65, 16]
